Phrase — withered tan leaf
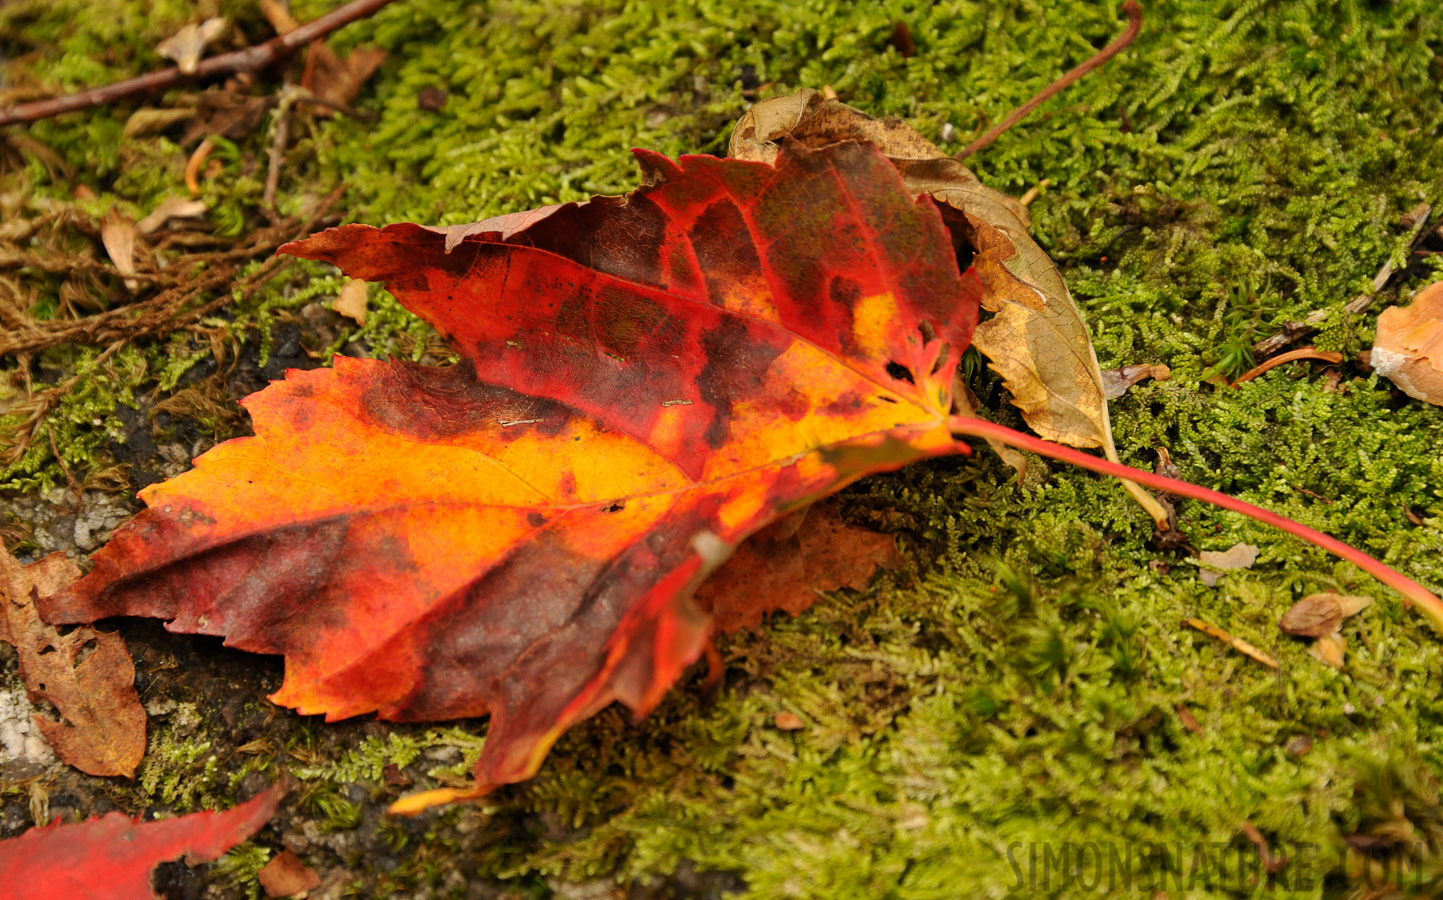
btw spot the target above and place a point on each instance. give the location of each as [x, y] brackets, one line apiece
[187, 46]
[118, 234]
[1037, 339]
[1215, 562]
[86, 675]
[172, 208]
[351, 302]
[1319, 614]
[1329, 649]
[1409, 347]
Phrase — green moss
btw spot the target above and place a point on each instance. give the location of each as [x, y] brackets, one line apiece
[1242, 165]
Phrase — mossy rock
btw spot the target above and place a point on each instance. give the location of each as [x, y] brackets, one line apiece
[1024, 693]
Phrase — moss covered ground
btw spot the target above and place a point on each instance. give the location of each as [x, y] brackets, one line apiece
[1024, 692]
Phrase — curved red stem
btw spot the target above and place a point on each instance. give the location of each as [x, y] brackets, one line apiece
[1413, 593]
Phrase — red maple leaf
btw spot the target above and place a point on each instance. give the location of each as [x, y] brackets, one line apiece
[110, 858]
[645, 381]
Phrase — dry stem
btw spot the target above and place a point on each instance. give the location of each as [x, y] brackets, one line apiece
[251, 59]
[1134, 25]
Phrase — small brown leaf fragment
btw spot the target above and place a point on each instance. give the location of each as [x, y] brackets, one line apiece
[901, 40]
[285, 875]
[102, 731]
[1236, 643]
[187, 46]
[173, 208]
[1115, 382]
[432, 99]
[788, 721]
[1409, 347]
[279, 16]
[1317, 615]
[337, 81]
[352, 301]
[1215, 562]
[789, 564]
[1329, 649]
[118, 233]
[1188, 721]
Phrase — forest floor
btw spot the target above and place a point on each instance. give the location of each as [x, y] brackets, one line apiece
[1023, 689]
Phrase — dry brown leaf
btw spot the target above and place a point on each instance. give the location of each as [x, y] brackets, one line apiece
[337, 81]
[352, 301]
[173, 208]
[1115, 382]
[1317, 615]
[286, 875]
[86, 675]
[1189, 721]
[1409, 347]
[118, 234]
[1037, 340]
[788, 721]
[279, 16]
[1329, 650]
[1215, 562]
[187, 46]
[787, 565]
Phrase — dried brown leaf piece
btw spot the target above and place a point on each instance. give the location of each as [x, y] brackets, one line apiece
[1319, 614]
[1329, 650]
[86, 675]
[118, 234]
[788, 721]
[788, 565]
[187, 46]
[285, 875]
[336, 81]
[1409, 347]
[1037, 339]
[173, 208]
[1215, 562]
[352, 301]
[1115, 382]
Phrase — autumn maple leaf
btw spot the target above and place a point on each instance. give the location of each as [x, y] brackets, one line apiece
[645, 381]
[111, 857]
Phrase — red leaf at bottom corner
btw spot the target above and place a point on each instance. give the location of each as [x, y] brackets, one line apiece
[111, 857]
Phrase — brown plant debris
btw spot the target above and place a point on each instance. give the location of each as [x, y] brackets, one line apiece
[790, 564]
[1236, 643]
[285, 875]
[87, 676]
[1409, 348]
[1214, 562]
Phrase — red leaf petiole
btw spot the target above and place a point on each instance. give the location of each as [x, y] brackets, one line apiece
[1413, 592]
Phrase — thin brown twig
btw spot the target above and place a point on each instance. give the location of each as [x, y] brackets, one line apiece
[1134, 25]
[1329, 356]
[251, 59]
[278, 146]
